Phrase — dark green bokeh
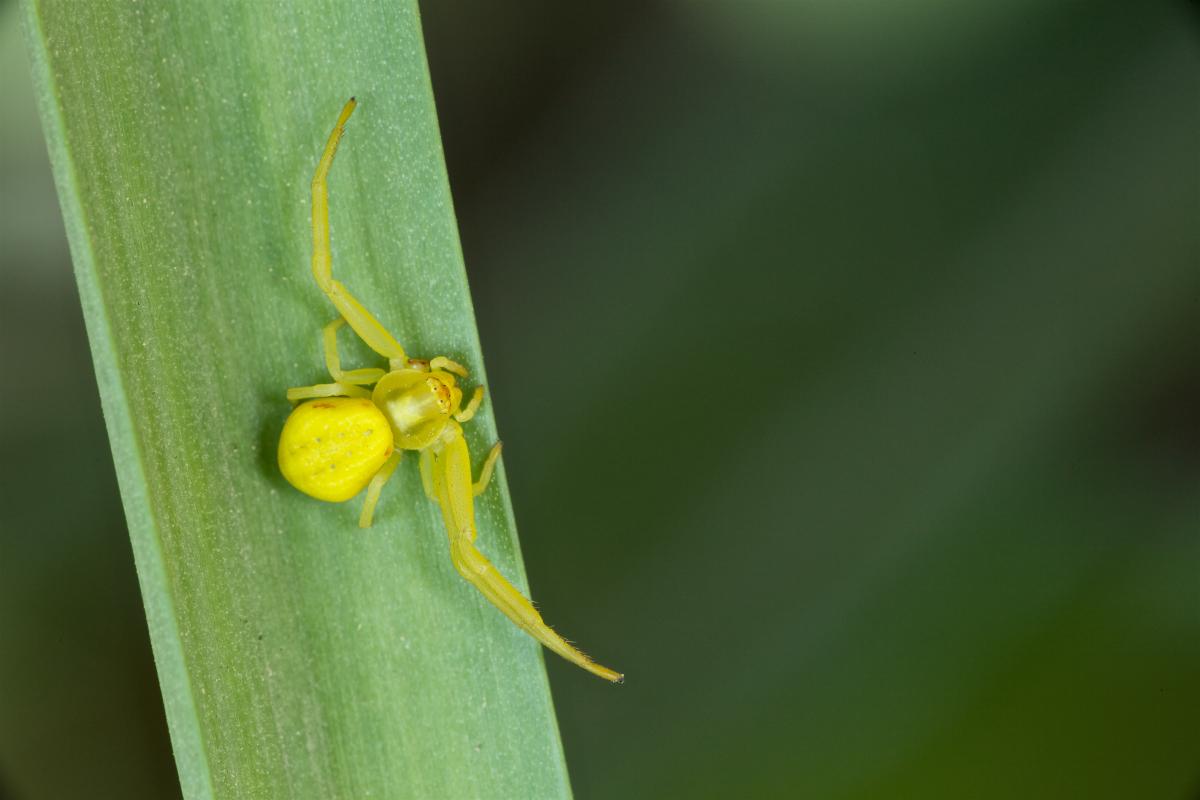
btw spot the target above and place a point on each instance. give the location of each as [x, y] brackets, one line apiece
[848, 366]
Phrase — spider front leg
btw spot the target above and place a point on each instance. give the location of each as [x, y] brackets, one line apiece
[427, 473]
[451, 477]
[361, 320]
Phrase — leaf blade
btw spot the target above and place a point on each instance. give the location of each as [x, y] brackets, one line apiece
[298, 657]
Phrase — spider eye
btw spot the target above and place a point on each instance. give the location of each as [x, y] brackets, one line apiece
[441, 394]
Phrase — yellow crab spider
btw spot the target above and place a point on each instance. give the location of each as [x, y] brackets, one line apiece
[344, 437]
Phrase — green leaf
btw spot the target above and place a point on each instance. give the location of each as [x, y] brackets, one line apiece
[298, 655]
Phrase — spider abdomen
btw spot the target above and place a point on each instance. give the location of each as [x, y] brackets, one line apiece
[331, 447]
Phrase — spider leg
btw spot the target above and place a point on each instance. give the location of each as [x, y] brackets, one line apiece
[441, 362]
[472, 406]
[361, 320]
[485, 472]
[452, 483]
[298, 393]
[483, 575]
[369, 329]
[376, 486]
[334, 363]
[427, 473]
[322, 260]
[345, 383]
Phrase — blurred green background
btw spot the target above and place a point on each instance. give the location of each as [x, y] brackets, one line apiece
[847, 358]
